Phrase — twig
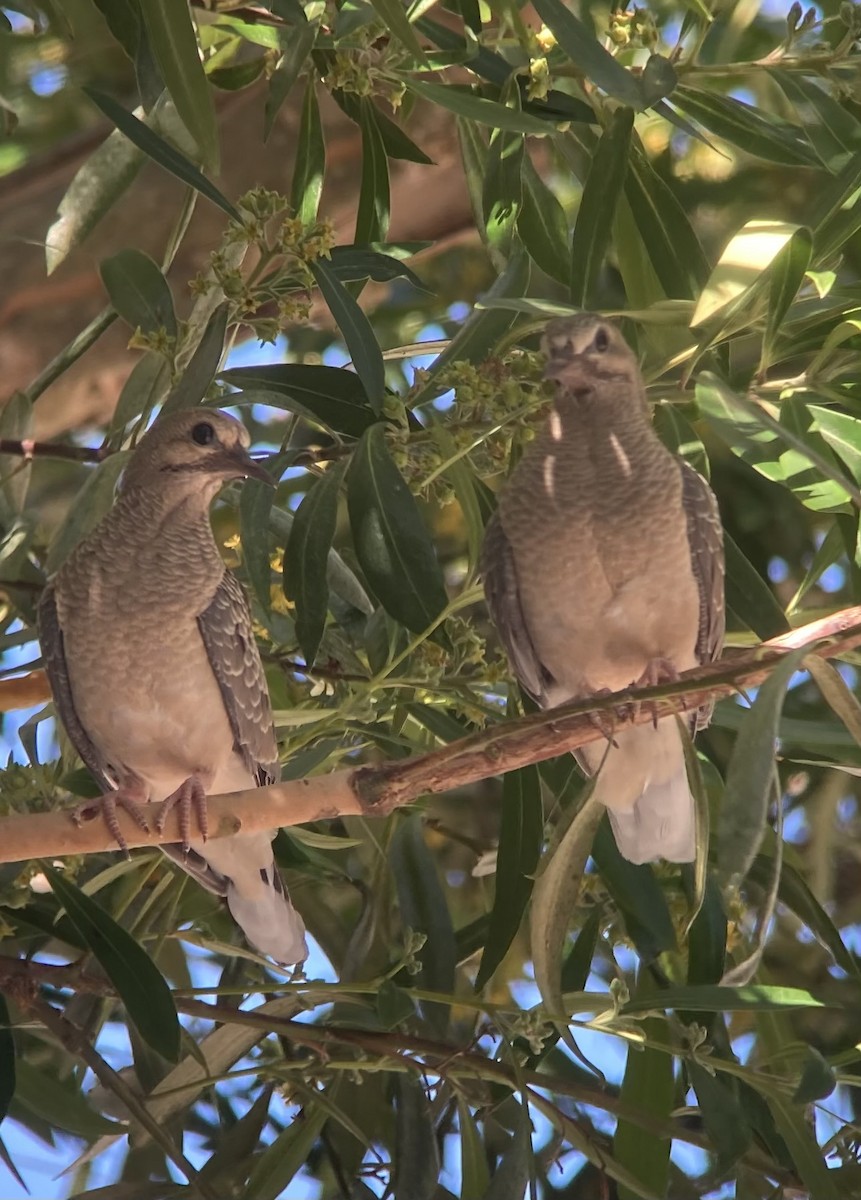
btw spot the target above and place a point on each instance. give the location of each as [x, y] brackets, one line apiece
[378, 790]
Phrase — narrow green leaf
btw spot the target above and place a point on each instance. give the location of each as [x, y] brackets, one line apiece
[786, 273]
[16, 422]
[255, 512]
[833, 131]
[749, 779]
[521, 835]
[481, 331]
[203, 365]
[98, 184]
[795, 894]
[160, 151]
[753, 130]
[648, 1085]
[751, 997]
[843, 433]
[142, 391]
[783, 450]
[707, 940]
[394, 17]
[297, 43]
[93, 501]
[726, 1122]
[131, 970]
[465, 103]
[372, 218]
[502, 192]
[354, 263]
[836, 215]
[396, 142]
[237, 76]
[277, 1166]
[464, 483]
[638, 896]
[474, 1171]
[542, 225]
[699, 869]
[793, 1127]
[392, 542]
[58, 1102]
[174, 43]
[357, 331]
[750, 597]
[394, 1004]
[511, 1177]
[601, 192]
[817, 1079]
[139, 292]
[668, 236]
[310, 166]
[7, 1060]
[586, 52]
[554, 897]
[330, 395]
[424, 909]
[306, 559]
[416, 1157]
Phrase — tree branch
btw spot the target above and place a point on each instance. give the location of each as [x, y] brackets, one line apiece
[378, 790]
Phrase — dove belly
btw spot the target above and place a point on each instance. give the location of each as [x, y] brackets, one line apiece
[158, 716]
[610, 613]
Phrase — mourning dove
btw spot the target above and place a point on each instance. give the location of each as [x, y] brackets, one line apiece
[155, 672]
[603, 567]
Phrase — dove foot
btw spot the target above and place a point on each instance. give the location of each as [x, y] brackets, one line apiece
[605, 722]
[106, 807]
[189, 798]
[659, 670]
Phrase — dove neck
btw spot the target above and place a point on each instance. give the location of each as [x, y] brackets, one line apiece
[168, 528]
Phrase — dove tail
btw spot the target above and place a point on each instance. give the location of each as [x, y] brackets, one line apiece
[267, 918]
[644, 785]
[244, 871]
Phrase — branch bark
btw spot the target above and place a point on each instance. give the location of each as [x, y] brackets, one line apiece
[378, 790]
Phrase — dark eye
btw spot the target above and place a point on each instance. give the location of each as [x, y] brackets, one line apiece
[203, 434]
[602, 341]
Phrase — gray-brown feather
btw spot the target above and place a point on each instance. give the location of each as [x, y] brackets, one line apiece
[56, 668]
[705, 535]
[225, 627]
[501, 590]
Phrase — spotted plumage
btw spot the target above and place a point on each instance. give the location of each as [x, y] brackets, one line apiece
[155, 672]
[603, 567]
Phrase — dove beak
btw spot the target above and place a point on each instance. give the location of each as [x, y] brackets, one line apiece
[242, 465]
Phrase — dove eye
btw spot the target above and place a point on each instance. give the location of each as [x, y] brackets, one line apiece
[602, 340]
[203, 434]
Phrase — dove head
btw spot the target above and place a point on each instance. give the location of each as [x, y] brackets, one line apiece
[195, 451]
[586, 350]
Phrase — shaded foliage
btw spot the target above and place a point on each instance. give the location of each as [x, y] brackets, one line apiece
[695, 174]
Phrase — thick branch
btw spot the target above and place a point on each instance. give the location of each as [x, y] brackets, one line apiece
[378, 790]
